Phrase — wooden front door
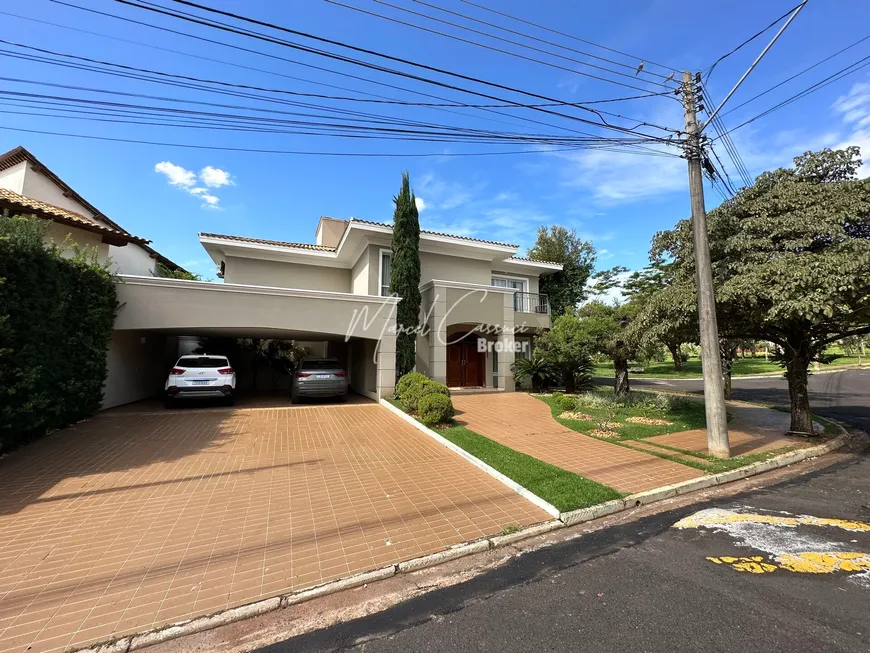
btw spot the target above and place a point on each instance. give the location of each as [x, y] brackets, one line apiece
[466, 367]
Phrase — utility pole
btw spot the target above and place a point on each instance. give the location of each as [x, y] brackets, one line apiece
[714, 397]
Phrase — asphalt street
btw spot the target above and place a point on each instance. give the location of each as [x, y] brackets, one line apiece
[785, 568]
[840, 395]
[648, 586]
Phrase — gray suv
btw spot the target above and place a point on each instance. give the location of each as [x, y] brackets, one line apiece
[319, 378]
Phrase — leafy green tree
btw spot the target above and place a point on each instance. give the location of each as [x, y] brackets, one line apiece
[607, 330]
[663, 317]
[791, 263]
[604, 281]
[405, 275]
[567, 345]
[167, 273]
[566, 288]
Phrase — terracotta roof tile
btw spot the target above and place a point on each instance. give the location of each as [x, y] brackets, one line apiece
[439, 233]
[14, 201]
[532, 260]
[262, 241]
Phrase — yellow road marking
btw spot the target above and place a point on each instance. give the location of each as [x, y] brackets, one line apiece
[712, 519]
[802, 563]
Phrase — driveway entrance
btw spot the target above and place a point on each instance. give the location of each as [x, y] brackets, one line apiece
[135, 519]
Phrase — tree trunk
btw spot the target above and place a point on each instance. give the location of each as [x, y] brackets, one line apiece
[620, 381]
[677, 355]
[568, 380]
[797, 376]
[726, 374]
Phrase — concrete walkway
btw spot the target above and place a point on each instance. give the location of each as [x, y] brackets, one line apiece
[524, 423]
[132, 520]
[751, 429]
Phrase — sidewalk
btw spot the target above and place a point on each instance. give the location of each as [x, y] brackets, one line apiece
[524, 423]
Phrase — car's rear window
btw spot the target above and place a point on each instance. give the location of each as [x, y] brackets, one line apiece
[202, 361]
[326, 364]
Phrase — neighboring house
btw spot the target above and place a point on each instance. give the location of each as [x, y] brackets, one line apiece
[29, 187]
[330, 295]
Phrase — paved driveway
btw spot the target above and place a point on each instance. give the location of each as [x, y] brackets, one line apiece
[134, 519]
[524, 423]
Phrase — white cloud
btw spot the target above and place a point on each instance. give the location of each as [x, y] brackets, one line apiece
[176, 175]
[855, 110]
[420, 202]
[215, 177]
[186, 180]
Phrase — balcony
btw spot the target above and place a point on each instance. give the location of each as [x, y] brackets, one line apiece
[532, 311]
[529, 302]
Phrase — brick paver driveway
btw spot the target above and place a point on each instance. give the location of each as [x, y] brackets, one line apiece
[133, 520]
[524, 423]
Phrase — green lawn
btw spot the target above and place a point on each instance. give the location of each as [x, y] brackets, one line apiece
[685, 415]
[565, 490]
[692, 368]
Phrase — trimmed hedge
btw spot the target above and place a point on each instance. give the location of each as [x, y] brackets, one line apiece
[56, 317]
[435, 409]
[409, 380]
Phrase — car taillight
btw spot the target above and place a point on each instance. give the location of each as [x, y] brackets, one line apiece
[302, 375]
[225, 370]
[177, 371]
[341, 373]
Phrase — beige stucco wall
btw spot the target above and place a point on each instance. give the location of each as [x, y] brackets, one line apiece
[474, 307]
[360, 275]
[40, 187]
[132, 259]
[454, 268]
[363, 369]
[330, 231]
[279, 274]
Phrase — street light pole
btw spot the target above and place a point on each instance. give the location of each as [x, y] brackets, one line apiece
[714, 397]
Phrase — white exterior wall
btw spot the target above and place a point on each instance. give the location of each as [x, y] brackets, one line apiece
[40, 187]
[13, 178]
[137, 366]
[132, 259]
[454, 268]
[57, 234]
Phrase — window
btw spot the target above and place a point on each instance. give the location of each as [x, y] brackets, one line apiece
[519, 285]
[202, 361]
[386, 268]
[320, 364]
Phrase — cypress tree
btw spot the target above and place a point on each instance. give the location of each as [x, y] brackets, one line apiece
[405, 275]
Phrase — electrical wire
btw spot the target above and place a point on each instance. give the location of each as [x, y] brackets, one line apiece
[632, 67]
[143, 4]
[840, 74]
[495, 49]
[728, 143]
[796, 75]
[285, 152]
[748, 41]
[569, 36]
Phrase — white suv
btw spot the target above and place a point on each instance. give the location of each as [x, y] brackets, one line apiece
[201, 376]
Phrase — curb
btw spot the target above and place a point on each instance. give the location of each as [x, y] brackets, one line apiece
[550, 509]
[763, 375]
[199, 624]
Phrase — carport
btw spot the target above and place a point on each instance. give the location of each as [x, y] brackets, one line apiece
[155, 311]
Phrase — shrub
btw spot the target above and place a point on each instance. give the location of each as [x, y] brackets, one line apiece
[435, 409]
[568, 403]
[408, 381]
[558, 395]
[411, 399]
[56, 317]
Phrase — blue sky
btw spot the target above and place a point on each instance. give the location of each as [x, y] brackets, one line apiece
[616, 199]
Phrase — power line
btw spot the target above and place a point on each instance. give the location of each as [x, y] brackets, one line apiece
[493, 48]
[747, 42]
[286, 152]
[252, 34]
[840, 74]
[569, 36]
[728, 143]
[309, 65]
[632, 66]
[796, 75]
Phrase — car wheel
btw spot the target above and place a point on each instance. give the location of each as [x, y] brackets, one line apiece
[294, 399]
[342, 399]
[168, 403]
